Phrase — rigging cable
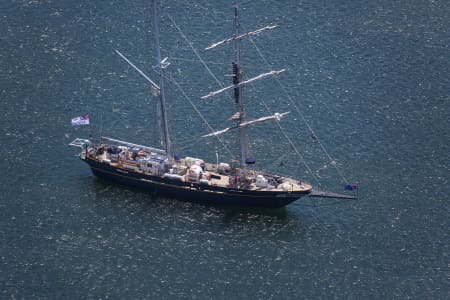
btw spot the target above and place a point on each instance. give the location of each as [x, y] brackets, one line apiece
[196, 61]
[332, 161]
[291, 144]
[198, 112]
[209, 71]
[195, 51]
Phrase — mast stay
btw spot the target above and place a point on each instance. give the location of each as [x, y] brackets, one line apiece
[153, 84]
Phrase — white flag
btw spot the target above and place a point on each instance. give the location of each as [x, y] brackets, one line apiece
[81, 120]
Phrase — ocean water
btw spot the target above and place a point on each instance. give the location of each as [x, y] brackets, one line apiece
[370, 78]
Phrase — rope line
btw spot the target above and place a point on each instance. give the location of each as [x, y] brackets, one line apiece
[210, 73]
[196, 61]
[198, 112]
[332, 161]
[291, 144]
[195, 52]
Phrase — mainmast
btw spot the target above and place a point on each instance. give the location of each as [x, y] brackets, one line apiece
[160, 65]
[237, 87]
[237, 78]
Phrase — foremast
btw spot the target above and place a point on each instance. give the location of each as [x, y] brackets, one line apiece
[161, 65]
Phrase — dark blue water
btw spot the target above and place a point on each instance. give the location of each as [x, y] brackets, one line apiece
[372, 80]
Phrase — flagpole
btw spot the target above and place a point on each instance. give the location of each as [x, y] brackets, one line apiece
[91, 135]
[101, 129]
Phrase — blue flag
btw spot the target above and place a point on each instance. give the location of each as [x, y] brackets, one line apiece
[351, 187]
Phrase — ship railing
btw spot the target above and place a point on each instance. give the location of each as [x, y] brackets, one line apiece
[149, 149]
[81, 143]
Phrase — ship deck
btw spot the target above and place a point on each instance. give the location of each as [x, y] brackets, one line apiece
[218, 178]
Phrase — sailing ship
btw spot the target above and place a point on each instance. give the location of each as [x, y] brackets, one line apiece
[193, 179]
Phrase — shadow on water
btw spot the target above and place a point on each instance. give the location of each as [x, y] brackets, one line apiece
[126, 206]
[230, 211]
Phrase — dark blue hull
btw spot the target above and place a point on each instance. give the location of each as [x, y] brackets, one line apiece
[194, 192]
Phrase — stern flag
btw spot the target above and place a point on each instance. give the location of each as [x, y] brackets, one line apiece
[81, 120]
[351, 186]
